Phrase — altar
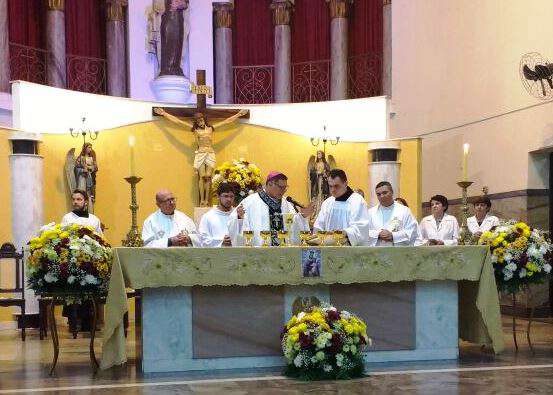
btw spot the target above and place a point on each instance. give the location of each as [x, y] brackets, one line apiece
[209, 309]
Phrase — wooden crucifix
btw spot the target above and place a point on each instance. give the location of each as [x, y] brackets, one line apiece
[204, 159]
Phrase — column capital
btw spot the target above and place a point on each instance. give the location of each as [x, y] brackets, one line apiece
[55, 5]
[339, 8]
[223, 14]
[115, 10]
[386, 2]
[282, 11]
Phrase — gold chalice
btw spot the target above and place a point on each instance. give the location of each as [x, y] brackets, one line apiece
[283, 238]
[339, 238]
[321, 234]
[248, 237]
[304, 236]
[266, 237]
[288, 220]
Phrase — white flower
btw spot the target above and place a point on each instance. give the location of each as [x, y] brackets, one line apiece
[511, 267]
[346, 315]
[50, 277]
[547, 268]
[90, 279]
[319, 356]
[353, 348]
[339, 359]
[534, 251]
[345, 348]
[327, 368]
[298, 361]
[522, 273]
[543, 249]
[507, 275]
[508, 257]
[71, 279]
[301, 315]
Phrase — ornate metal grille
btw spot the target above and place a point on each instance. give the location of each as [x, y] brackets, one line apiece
[27, 63]
[310, 81]
[253, 84]
[364, 75]
[86, 74]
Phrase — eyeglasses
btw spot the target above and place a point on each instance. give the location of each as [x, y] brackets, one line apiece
[281, 187]
[169, 200]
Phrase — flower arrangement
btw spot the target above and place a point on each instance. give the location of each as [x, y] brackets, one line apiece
[246, 175]
[324, 343]
[520, 255]
[69, 258]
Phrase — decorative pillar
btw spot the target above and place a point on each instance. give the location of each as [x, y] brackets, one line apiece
[55, 43]
[223, 52]
[383, 166]
[282, 11]
[387, 48]
[26, 170]
[339, 48]
[4, 48]
[115, 45]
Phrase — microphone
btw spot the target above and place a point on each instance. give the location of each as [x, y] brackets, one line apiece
[294, 202]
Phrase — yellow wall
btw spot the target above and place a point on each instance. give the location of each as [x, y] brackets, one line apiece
[410, 184]
[6, 267]
[164, 157]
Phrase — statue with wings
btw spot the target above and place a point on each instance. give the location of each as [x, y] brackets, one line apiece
[81, 172]
[318, 169]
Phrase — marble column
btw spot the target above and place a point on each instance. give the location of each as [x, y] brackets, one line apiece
[282, 11]
[387, 48]
[339, 48]
[55, 43]
[383, 166]
[223, 52]
[115, 45]
[26, 169]
[4, 48]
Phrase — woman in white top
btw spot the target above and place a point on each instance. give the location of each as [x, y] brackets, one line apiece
[439, 228]
[482, 221]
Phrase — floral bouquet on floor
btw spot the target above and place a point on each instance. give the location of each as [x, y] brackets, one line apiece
[244, 174]
[69, 258]
[324, 344]
[520, 255]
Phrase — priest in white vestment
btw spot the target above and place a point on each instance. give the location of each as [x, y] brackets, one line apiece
[390, 223]
[482, 220]
[439, 228]
[345, 210]
[213, 226]
[80, 214]
[266, 211]
[168, 227]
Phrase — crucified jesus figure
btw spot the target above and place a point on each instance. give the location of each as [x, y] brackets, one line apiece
[204, 158]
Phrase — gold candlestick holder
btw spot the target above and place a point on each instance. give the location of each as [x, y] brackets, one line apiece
[133, 236]
[464, 235]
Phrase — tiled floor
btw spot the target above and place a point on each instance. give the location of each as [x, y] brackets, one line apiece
[24, 369]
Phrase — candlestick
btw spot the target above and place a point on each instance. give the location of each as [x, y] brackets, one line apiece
[132, 140]
[464, 234]
[465, 160]
[133, 236]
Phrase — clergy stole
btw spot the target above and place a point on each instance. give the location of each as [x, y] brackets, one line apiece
[276, 222]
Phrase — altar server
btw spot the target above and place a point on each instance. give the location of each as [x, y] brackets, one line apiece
[266, 210]
[344, 210]
[482, 221]
[213, 226]
[168, 227]
[80, 214]
[390, 223]
[439, 228]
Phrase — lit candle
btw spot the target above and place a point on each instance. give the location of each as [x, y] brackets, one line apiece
[466, 147]
[131, 145]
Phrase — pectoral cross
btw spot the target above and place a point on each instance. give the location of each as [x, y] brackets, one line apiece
[202, 91]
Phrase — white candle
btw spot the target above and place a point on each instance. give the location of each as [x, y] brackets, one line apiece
[466, 148]
[132, 140]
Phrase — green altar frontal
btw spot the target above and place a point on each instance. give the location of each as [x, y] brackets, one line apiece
[221, 308]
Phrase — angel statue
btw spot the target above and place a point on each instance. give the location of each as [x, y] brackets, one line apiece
[81, 172]
[204, 158]
[319, 169]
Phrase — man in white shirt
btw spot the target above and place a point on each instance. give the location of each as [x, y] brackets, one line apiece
[344, 210]
[168, 227]
[80, 214]
[265, 210]
[390, 223]
[213, 226]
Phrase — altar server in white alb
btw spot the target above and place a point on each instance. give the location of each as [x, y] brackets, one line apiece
[80, 214]
[439, 228]
[168, 227]
[482, 221]
[266, 211]
[213, 226]
[390, 223]
[344, 210]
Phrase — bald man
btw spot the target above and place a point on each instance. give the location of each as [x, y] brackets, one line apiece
[168, 227]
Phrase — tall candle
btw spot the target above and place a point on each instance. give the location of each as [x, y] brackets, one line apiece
[466, 147]
[131, 145]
